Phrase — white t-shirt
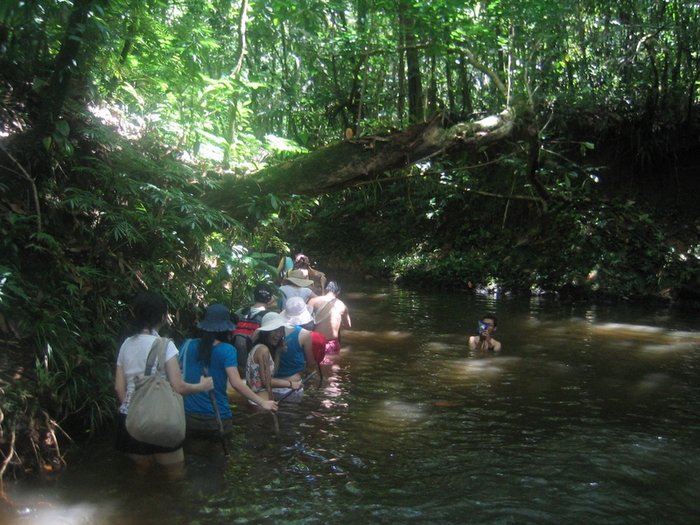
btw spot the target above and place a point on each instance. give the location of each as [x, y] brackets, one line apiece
[132, 359]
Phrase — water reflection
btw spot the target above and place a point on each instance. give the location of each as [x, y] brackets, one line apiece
[59, 514]
[589, 414]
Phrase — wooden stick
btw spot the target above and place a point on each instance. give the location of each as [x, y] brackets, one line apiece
[291, 391]
[212, 398]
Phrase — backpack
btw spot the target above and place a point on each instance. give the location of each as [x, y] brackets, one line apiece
[242, 336]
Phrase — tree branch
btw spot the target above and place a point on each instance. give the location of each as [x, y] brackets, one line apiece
[35, 192]
[486, 70]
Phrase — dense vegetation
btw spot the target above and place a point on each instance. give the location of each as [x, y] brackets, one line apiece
[121, 121]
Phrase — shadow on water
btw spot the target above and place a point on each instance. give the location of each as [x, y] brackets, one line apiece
[590, 414]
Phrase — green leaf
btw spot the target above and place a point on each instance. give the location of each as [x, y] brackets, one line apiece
[131, 90]
[63, 128]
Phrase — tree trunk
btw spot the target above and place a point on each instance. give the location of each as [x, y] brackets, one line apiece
[465, 87]
[401, 80]
[65, 64]
[432, 89]
[242, 39]
[450, 92]
[415, 86]
[364, 159]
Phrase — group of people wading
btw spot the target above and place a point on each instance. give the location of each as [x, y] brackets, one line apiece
[293, 331]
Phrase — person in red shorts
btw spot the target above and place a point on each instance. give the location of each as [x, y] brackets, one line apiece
[330, 316]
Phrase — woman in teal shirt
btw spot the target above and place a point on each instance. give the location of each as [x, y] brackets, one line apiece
[212, 355]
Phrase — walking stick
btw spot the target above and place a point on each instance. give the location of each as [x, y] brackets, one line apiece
[285, 396]
[291, 391]
[214, 405]
[276, 423]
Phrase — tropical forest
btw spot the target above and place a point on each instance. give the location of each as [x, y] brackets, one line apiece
[525, 147]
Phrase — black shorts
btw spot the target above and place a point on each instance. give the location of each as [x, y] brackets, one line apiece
[125, 443]
[199, 425]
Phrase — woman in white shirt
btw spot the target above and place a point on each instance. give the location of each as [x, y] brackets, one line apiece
[150, 314]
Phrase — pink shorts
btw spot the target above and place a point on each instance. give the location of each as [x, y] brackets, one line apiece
[332, 346]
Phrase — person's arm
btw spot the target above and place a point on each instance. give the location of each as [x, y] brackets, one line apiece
[243, 389]
[318, 277]
[172, 370]
[313, 302]
[120, 384]
[286, 383]
[483, 341]
[345, 323]
[277, 382]
[262, 358]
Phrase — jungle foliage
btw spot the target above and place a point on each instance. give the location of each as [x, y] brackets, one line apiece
[120, 119]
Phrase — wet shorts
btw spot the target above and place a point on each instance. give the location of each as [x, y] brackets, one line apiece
[332, 346]
[199, 425]
[294, 397]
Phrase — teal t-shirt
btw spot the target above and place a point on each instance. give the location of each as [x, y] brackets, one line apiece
[292, 361]
[223, 356]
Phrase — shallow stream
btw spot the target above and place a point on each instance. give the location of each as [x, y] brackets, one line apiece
[590, 414]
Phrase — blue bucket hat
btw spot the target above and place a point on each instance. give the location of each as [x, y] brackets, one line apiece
[217, 318]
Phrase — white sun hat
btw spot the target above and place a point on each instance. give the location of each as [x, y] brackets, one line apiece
[296, 311]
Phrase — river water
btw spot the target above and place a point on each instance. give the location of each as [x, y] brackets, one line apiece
[590, 414]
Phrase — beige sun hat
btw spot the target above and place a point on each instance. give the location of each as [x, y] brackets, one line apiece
[297, 277]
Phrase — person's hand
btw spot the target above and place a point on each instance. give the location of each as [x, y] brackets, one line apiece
[296, 385]
[206, 383]
[269, 405]
[484, 340]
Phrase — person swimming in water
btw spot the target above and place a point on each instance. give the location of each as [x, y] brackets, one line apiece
[484, 341]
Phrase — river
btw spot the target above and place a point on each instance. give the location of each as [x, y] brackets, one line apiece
[590, 414]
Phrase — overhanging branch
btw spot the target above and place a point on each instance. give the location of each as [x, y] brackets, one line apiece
[366, 158]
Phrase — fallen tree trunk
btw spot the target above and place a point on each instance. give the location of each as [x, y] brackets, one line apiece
[358, 160]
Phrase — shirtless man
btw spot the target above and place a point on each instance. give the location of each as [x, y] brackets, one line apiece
[330, 316]
[484, 341]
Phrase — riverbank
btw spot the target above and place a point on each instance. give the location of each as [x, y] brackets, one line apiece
[604, 249]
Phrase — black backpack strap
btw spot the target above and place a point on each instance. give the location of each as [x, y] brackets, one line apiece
[242, 341]
[245, 313]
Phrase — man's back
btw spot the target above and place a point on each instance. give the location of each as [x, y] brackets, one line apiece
[330, 315]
